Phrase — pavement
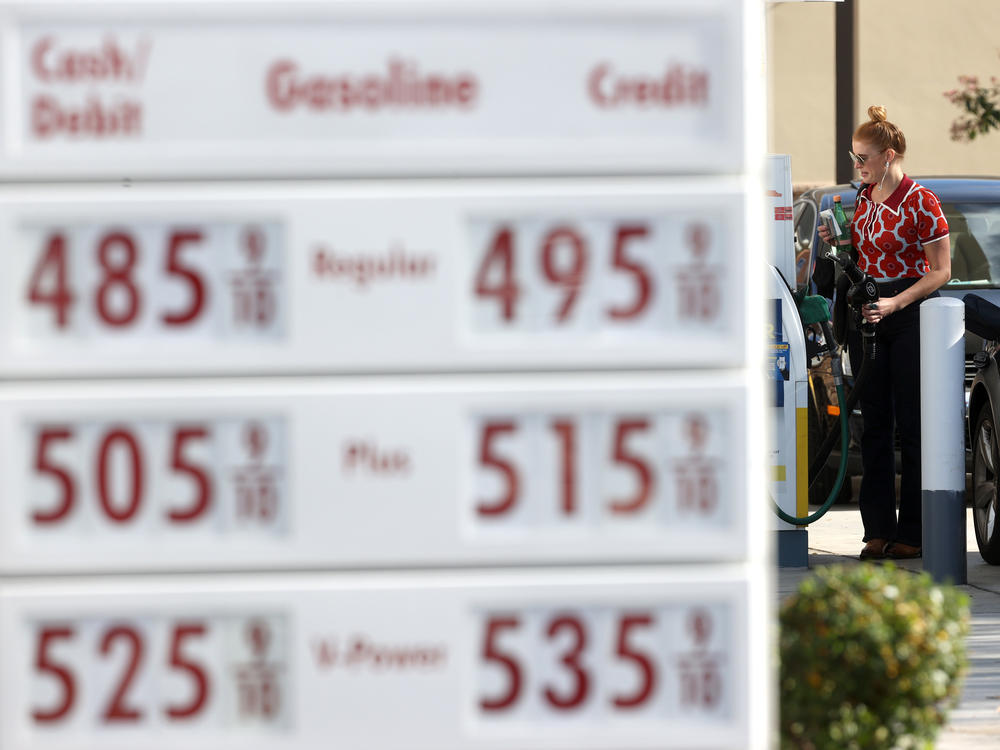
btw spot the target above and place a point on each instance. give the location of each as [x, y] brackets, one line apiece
[975, 723]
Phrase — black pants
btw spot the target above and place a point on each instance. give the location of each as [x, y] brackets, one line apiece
[890, 398]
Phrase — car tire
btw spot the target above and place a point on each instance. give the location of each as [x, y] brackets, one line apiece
[985, 498]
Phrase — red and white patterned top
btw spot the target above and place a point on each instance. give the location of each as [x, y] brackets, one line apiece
[890, 236]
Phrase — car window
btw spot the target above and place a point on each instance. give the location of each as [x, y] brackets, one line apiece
[805, 222]
[974, 230]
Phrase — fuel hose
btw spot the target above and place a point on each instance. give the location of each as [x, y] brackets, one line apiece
[844, 438]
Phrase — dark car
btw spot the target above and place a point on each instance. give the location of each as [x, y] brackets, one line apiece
[972, 207]
[984, 419]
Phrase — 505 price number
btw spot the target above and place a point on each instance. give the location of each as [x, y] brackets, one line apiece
[226, 475]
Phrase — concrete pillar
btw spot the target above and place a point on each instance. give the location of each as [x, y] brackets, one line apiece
[942, 436]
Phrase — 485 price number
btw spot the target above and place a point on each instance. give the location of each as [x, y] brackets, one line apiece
[226, 475]
[671, 661]
[154, 279]
[227, 671]
[650, 273]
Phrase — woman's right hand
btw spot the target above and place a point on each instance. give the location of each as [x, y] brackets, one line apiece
[824, 234]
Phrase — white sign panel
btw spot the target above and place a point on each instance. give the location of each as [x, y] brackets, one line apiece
[225, 89]
[309, 278]
[595, 660]
[295, 474]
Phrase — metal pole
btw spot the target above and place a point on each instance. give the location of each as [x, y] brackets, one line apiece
[942, 438]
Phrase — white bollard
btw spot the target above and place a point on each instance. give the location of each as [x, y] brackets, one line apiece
[942, 438]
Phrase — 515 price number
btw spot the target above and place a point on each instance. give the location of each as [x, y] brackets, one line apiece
[556, 469]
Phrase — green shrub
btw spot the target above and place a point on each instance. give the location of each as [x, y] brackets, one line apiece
[871, 657]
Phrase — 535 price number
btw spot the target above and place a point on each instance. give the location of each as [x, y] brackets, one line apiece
[225, 474]
[155, 279]
[155, 671]
[588, 275]
[661, 662]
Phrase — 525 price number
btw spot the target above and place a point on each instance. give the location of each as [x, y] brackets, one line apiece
[201, 666]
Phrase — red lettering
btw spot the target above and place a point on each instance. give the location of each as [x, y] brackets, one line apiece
[370, 266]
[466, 90]
[38, 62]
[108, 61]
[594, 81]
[326, 654]
[400, 84]
[362, 455]
[362, 652]
[678, 85]
[94, 118]
[279, 91]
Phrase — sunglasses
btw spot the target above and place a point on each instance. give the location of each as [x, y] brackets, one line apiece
[859, 159]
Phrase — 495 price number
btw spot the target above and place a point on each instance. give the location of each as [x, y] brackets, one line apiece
[654, 662]
[152, 279]
[648, 273]
[229, 671]
[601, 469]
[221, 476]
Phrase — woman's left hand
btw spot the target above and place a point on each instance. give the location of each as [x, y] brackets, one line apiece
[875, 311]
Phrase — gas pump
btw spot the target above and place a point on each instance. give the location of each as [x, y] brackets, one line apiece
[787, 367]
[788, 363]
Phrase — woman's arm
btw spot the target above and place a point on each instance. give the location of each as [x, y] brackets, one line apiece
[938, 255]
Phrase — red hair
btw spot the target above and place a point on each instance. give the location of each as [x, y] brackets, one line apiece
[881, 133]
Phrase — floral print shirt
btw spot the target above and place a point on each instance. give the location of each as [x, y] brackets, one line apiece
[890, 236]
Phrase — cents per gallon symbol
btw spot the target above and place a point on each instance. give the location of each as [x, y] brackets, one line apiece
[700, 627]
[698, 237]
[696, 431]
[258, 636]
[255, 440]
[253, 246]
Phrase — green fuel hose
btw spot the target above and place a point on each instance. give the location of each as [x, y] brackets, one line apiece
[841, 472]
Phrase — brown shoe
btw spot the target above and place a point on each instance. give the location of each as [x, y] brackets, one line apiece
[900, 551]
[874, 550]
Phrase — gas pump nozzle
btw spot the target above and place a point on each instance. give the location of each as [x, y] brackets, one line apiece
[863, 291]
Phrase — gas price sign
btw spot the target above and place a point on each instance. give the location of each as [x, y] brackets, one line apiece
[292, 474]
[462, 87]
[537, 660]
[381, 375]
[302, 278]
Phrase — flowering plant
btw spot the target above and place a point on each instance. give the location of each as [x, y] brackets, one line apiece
[979, 103]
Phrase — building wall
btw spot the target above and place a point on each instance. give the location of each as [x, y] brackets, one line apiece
[909, 52]
[800, 67]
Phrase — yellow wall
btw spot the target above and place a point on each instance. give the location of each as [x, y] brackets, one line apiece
[800, 65]
[908, 53]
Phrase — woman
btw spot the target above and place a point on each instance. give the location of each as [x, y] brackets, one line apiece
[901, 236]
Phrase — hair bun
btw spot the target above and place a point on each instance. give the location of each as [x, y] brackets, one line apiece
[876, 113]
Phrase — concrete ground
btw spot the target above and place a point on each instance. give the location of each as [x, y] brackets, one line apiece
[975, 723]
